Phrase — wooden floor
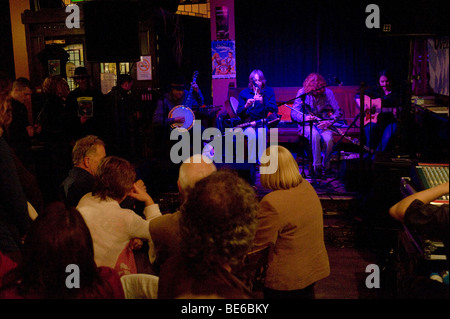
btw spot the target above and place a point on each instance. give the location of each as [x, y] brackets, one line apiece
[350, 244]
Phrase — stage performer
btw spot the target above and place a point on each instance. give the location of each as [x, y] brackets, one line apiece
[178, 95]
[320, 105]
[382, 126]
[255, 103]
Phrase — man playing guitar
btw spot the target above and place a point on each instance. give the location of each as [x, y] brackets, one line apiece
[380, 106]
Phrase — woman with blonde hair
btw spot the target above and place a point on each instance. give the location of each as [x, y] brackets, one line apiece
[290, 218]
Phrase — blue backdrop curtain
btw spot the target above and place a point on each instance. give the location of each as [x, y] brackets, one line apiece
[289, 39]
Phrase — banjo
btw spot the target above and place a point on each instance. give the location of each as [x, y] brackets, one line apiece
[184, 110]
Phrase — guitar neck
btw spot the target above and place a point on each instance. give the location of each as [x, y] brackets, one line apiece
[189, 97]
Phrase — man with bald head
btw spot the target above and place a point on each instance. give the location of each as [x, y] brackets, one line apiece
[164, 230]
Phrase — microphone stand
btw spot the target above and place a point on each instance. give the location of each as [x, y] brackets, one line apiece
[257, 87]
[361, 134]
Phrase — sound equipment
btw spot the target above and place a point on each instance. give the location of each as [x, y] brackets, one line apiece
[111, 31]
[428, 175]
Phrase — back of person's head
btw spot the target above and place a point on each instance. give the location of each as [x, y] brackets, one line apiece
[218, 221]
[194, 169]
[114, 179]
[124, 78]
[59, 237]
[5, 83]
[22, 84]
[5, 107]
[286, 175]
[55, 85]
[85, 146]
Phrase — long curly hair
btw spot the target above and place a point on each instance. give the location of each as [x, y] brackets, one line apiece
[313, 81]
[5, 102]
[218, 222]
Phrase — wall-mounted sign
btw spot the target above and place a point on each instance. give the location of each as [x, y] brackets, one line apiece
[144, 68]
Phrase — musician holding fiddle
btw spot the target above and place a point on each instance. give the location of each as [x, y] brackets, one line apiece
[321, 110]
[255, 103]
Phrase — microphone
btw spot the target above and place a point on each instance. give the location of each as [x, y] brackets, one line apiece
[255, 84]
[337, 81]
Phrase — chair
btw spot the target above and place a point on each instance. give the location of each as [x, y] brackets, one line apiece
[140, 286]
[254, 270]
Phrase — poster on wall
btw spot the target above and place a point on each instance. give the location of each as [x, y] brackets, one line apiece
[54, 67]
[222, 23]
[223, 56]
[438, 57]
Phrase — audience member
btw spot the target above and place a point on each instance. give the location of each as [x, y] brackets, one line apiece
[21, 130]
[58, 239]
[217, 227]
[291, 218]
[56, 136]
[429, 221]
[123, 140]
[87, 107]
[165, 230]
[418, 213]
[14, 218]
[26, 178]
[113, 227]
[87, 154]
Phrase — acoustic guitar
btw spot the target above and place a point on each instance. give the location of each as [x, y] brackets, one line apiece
[372, 108]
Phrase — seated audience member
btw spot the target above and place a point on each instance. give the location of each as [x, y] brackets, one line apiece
[165, 230]
[217, 227]
[291, 218]
[421, 216]
[417, 212]
[14, 218]
[43, 273]
[87, 154]
[113, 227]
